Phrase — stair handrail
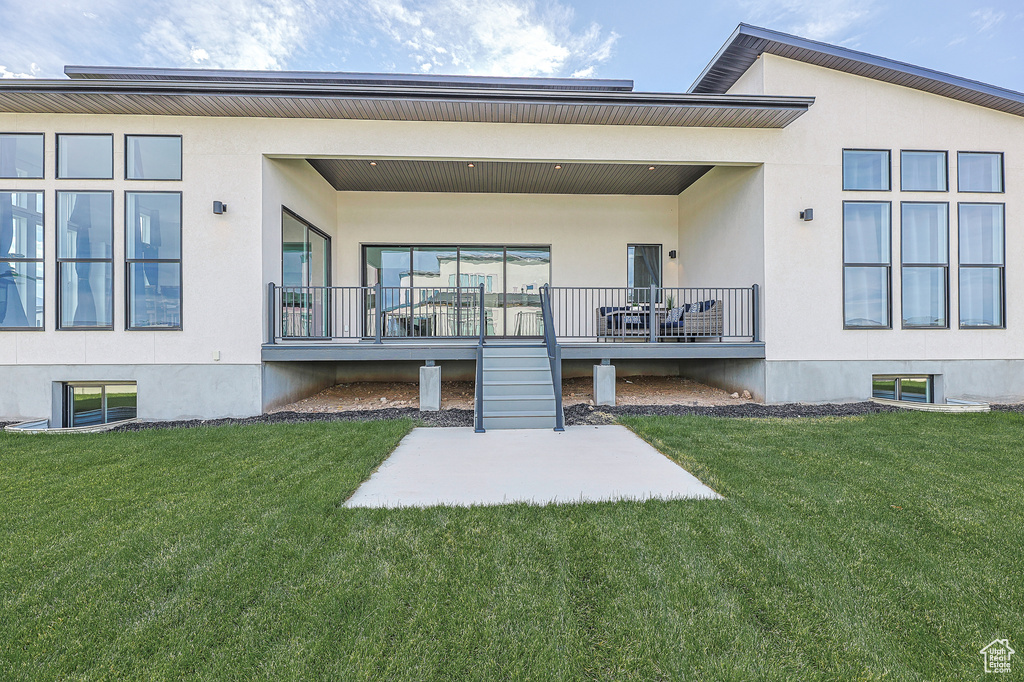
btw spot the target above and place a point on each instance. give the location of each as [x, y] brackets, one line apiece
[554, 354]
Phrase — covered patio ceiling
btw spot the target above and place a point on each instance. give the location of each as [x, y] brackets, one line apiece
[512, 177]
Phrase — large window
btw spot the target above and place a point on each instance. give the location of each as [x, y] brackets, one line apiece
[925, 248]
[923, 171]
[85, 157]
[85, 237]
[867, 257]
[306, 271]
[866, 169]
[21, 260]
[153, 259]
[89, 404]
[980, 171]
[152, 157]
[982, 261]
[511, 276]
[21, 155]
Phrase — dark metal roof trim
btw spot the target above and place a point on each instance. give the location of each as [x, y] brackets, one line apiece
[508, 177]
[340, 77]
[747, 43]
[405, 103]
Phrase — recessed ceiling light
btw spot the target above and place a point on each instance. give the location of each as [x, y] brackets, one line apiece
[373, 163]
[650, 168]
[469, 165]
[558, 167]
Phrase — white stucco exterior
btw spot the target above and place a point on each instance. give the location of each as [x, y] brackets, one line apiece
[736, 226]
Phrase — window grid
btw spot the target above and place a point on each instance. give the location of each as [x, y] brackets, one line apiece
[885, 267]
[130, 260]
[66, 262]
[942, 266]
[38, 260]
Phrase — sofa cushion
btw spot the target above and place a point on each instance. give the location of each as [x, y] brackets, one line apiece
[675, 314]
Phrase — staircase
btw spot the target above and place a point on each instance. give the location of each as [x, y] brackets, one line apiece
[518, 391]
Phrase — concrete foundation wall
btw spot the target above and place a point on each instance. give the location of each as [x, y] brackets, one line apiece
[999, 381]
[729, 375]
[286, 382]
[165, 391]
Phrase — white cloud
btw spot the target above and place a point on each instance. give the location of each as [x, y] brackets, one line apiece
[827, 20]
[494, 37]
[986, 18]
[5, 73]
[230, 34]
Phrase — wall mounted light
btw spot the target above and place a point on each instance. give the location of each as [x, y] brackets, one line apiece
[807, 214]
[672, 253]
[220, 207]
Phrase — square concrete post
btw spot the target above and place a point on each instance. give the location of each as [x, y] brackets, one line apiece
[430, 388]
[604, 384]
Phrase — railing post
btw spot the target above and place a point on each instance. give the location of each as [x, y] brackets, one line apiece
[651, 317]
[271, 314]
[378, 315]
[755, 311]
[483, 316]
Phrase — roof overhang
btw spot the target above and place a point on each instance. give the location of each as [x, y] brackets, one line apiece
[747, 43]
[409, 102]
[513, 177]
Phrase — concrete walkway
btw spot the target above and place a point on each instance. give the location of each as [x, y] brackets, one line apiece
[457, 467]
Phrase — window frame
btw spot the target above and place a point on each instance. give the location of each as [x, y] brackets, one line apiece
[42, 171]
[1001, 267]
[128, 262]
[945, 154]
[41, 259]
[181, 160]
[631, 289]
[56, 169]
[67, 399]
[945, 268]
[898, 387]
[1002, 176]
[887, 266]
[861, 149]
[61, 261]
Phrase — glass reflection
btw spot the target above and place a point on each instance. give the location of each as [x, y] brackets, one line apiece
[21, 155]
[85, 156]
[865, 170]
[153, 158]
[867, 297]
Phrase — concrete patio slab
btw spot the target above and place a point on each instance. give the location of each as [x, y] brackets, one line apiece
[457, 467]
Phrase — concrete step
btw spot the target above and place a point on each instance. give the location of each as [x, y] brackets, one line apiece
[516, 362]
[519, 422]
[519, 403]
[506, 374]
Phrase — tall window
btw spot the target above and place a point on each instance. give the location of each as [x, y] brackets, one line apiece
[643, 269]
[305, 272]
[923, 171]
[85, 259]
[21, 155]
[153, 259]
[152, 157]
[89, 157]
[980, 171]
[925, 248]
[21, 260]
[982, 262]
[866, 169]
[867, 258]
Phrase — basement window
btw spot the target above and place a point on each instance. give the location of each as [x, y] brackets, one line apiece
[914, 388]
[92, 403]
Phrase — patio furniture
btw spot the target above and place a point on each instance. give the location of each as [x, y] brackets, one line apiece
[626, 322]
[703, 319]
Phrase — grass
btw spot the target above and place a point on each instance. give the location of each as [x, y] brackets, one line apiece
[886, 546]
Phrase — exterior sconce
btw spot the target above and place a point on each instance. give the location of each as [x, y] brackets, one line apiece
[672, 253]
[807, 214]
[220, 207]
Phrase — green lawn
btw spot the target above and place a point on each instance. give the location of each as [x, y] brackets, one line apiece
[887, 546]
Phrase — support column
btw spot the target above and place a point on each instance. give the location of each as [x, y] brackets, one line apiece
[604, 383]
[430, 387]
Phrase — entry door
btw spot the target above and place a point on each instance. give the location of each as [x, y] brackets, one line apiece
[305, 278]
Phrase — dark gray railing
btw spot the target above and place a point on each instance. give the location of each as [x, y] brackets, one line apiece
[554, 355]
[478, 392]
[652, 314]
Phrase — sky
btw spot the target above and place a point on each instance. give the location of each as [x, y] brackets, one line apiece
[661, 45]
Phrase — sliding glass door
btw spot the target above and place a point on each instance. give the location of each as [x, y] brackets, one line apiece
[420, 293]
[305, 274]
